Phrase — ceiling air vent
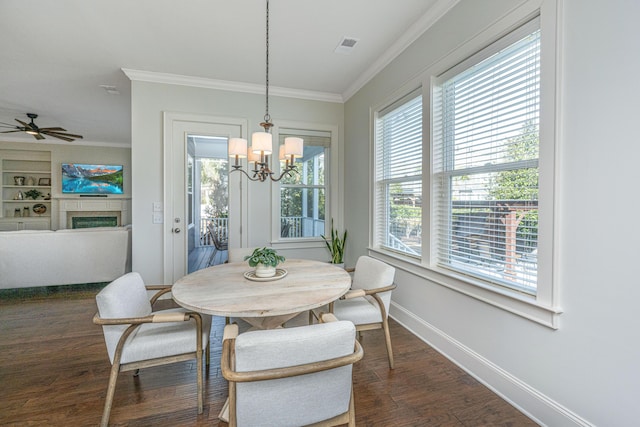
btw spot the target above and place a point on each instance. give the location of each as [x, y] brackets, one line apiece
[346, 45]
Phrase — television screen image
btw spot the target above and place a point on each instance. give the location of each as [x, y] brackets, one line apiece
[91, 178]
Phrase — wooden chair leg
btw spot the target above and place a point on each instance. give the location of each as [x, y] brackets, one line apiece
[111, 390]
[200, 373]
[352, 411]
[387, 338]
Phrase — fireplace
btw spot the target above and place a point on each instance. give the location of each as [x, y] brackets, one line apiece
[93, 212]
[87, 219]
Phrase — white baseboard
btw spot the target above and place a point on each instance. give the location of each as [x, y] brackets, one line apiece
[532, 403]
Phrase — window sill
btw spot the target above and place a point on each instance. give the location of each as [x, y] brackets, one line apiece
[519, 304]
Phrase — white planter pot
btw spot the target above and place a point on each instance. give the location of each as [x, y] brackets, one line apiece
[265, 270]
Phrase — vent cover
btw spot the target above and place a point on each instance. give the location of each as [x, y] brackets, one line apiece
[346, 45]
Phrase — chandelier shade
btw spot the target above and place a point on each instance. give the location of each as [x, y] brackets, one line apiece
[262, 143]
[293, 146]
[238, 147]
[253, 156]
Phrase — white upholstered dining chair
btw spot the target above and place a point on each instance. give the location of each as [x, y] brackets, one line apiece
[291, 377]
[367, 303]
[238, 254]
[137, 337]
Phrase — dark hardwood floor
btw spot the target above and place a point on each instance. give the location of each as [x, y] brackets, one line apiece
[54, 371]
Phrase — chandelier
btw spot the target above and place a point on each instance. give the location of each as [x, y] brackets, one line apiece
[262, 142]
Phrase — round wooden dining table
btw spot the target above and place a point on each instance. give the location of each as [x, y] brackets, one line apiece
[223, 290]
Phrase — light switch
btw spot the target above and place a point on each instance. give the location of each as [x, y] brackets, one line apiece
[157, 206]
[157, 218]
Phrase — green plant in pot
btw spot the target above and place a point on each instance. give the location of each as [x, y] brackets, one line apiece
[33, 194]
[265, 261]
[336, 245]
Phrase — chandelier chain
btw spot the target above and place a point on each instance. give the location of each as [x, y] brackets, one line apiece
[267, 117]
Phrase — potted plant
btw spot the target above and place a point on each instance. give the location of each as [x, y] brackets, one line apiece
[265, 261]
[32, 194]
[336, 245]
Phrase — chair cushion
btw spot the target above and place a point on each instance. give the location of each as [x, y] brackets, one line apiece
[154, 340]
[357, 310]
[297, 400]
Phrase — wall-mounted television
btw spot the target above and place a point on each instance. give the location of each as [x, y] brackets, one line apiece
[82, 178]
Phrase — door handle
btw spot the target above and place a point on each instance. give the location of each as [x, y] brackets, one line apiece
[176, 230]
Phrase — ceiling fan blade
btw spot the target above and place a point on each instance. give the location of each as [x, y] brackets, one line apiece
[38, 136]
[8, 124]
[23, 123]
[70, 135]
[52, 129]
[10, 131]
[59, 136]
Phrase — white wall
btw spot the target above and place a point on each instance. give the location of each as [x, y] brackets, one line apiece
[587, 371]
[149, 101]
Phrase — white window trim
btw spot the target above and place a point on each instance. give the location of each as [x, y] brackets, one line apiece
[544, 307]
[333, 185]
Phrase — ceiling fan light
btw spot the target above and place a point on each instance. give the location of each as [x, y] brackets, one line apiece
[32, 132]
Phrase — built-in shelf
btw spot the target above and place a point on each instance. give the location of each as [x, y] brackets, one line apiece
[34, 171]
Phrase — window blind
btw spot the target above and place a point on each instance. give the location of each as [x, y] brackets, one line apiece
[485, 158]
[398, 175]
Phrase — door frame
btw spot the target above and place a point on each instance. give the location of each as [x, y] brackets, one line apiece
[171, 120]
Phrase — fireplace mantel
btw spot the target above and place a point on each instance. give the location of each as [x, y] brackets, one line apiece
[93, 204]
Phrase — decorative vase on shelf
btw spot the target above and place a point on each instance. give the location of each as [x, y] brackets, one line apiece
[25, 211]
[19, 195]
[31, 181]
[19, 180]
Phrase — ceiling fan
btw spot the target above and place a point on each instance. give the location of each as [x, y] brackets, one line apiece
[38, 133]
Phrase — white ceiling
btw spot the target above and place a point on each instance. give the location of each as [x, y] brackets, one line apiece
[56, 54]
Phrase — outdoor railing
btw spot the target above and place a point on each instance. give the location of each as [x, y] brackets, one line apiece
[296, 226]
[220, 226]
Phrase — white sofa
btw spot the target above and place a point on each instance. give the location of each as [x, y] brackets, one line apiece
[45, 258]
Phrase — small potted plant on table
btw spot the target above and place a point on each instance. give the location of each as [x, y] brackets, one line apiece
[265, 261]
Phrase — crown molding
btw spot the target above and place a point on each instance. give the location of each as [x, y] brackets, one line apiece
[176, 79]
[416, 30]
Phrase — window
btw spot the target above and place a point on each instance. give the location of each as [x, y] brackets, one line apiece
[398, 176]
[485, 160]
[303, 196]
[190, 201]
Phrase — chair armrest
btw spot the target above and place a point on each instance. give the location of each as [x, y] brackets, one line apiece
[174, 316]
[230, 332]
[152, 318]
[354, 293]
[327, 317]
[291, 371]
[162, 289]
[379, 290]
